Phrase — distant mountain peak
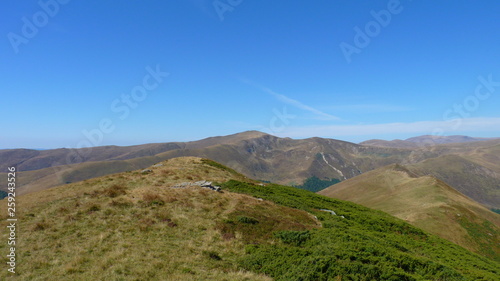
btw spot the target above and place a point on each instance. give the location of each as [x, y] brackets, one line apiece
[424, 140]
[430, 139]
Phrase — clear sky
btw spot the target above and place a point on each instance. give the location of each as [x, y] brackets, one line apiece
[75, 73]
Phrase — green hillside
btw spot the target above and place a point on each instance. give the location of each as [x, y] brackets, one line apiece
[139, 226]
[427, 203]
[316, 184]
[356, 244]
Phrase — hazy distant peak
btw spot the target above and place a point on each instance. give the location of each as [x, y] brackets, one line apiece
[420, 141]
[443, 139]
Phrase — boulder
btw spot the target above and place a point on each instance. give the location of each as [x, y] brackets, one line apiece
[203, 183]
[329, 211]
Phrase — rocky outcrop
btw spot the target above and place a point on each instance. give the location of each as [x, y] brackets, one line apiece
[331, 212]
[203, 183]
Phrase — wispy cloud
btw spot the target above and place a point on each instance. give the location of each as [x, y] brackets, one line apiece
[369, 108]
[472, 125]
[300, 105]
[295, 103]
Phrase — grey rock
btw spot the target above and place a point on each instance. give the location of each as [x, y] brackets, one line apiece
[203, 183]
[329, 211]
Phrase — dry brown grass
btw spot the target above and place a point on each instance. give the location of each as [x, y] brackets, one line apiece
[124, 227]
[115, 190]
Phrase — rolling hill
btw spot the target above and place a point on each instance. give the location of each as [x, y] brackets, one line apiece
[426, 202]
[147, 225]
[465, 175]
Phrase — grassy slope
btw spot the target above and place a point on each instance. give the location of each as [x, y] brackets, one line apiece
[427, 203]
[364, 245]
[488, 156]
[133, 226]
[466, 175]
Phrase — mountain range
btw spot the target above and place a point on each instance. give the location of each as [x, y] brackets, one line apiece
[426, 140]
[472, 167]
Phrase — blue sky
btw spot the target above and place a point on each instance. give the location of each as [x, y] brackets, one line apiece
[78, 73]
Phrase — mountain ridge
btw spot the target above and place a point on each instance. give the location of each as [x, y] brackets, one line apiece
[424, 140]
[285, 161]
[425, 202]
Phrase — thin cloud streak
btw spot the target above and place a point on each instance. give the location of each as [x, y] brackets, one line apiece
[370, 108]
[479, 124]
[321, 115]
[300, 105]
